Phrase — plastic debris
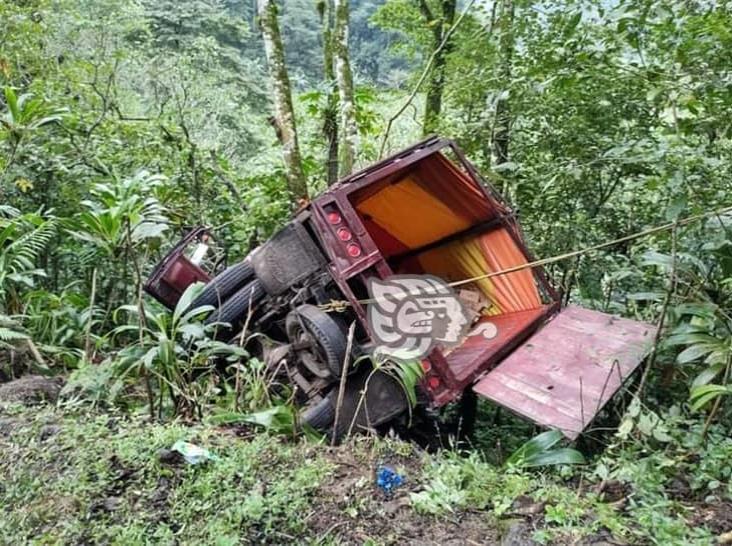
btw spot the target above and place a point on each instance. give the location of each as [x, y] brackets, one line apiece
[387, 479]
[192, 453]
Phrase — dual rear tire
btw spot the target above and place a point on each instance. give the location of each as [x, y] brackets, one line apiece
[238, 305]
[318, 340]
[223, 285]
[234, 293]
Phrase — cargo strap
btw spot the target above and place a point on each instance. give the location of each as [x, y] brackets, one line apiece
[342, 305]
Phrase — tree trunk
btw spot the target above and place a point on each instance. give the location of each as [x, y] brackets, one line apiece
[330, 118]
[348, 128]
[284, 116]
[502, 123]
[436, 83]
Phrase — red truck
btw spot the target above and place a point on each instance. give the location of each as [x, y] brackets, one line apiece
[427, 212]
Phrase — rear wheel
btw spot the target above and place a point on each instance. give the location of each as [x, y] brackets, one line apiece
[236, 308]
[317, 340]
[320, 415]
[223, 285]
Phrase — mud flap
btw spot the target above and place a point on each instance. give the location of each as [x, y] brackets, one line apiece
[288, 257]
[384, 400]
[564, 374]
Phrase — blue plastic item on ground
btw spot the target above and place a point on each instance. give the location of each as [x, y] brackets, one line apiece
[387, 479]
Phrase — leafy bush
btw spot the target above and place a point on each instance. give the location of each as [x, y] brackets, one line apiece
[174, 352]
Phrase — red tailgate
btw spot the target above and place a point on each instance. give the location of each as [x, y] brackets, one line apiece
[565, 373]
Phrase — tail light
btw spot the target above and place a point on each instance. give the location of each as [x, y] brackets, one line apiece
[354, 251]
[433, 382]
[342, 232]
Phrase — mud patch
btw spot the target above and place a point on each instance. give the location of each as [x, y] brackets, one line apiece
[715, 517]
[31, 389]
[519, 533]
[349, 508]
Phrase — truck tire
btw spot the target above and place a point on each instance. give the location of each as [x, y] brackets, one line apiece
[320, 416]
[237, 306]
[223, 285]
[328, 342]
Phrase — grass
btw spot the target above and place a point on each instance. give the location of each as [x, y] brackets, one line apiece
[97, 478]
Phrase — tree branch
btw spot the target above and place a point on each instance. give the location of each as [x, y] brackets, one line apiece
[426, 12]
[423, 77]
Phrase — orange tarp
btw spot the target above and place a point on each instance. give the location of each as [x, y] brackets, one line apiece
[436, 200]
[411, 214]
[458, 192]
[515, 291]
[493, 251]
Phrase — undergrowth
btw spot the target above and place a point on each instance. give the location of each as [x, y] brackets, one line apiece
[99, 478]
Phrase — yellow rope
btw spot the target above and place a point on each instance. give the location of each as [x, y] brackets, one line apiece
[341, 305]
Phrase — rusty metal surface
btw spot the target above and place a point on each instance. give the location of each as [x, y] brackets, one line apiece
[393, 163]
[477, 351]
[563, 375]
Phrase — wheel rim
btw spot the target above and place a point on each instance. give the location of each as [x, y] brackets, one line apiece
[310, 354]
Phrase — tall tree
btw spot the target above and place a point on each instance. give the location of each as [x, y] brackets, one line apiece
[502, 122]
[440, 25]
[330, 118]
[344, 77]
[284, 118]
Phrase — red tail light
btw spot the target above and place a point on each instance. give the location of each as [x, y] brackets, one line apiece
[342, 231]
[354, 251]
[433, 382]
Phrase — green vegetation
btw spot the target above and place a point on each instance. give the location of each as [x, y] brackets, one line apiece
[124, 122]
[100, 479]
[106, 477]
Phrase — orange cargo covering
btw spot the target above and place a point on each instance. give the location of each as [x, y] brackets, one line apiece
[430, 202]
[436, 200]
[411, 214]
[492, 251]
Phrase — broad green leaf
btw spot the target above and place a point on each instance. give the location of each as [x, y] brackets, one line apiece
[625, 428]
[661, 434]
[554, 457]
[538, 444]
[701, 396]
[693, 353]
[190, 294]
[707, 375]
[646, 296]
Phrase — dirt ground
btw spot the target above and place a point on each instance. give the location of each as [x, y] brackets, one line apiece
[350, 512]
[345, 508]
[31, 389]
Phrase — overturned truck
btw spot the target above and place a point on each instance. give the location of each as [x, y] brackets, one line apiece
[422, 213]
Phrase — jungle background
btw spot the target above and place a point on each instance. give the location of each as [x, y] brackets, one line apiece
[125, 122]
